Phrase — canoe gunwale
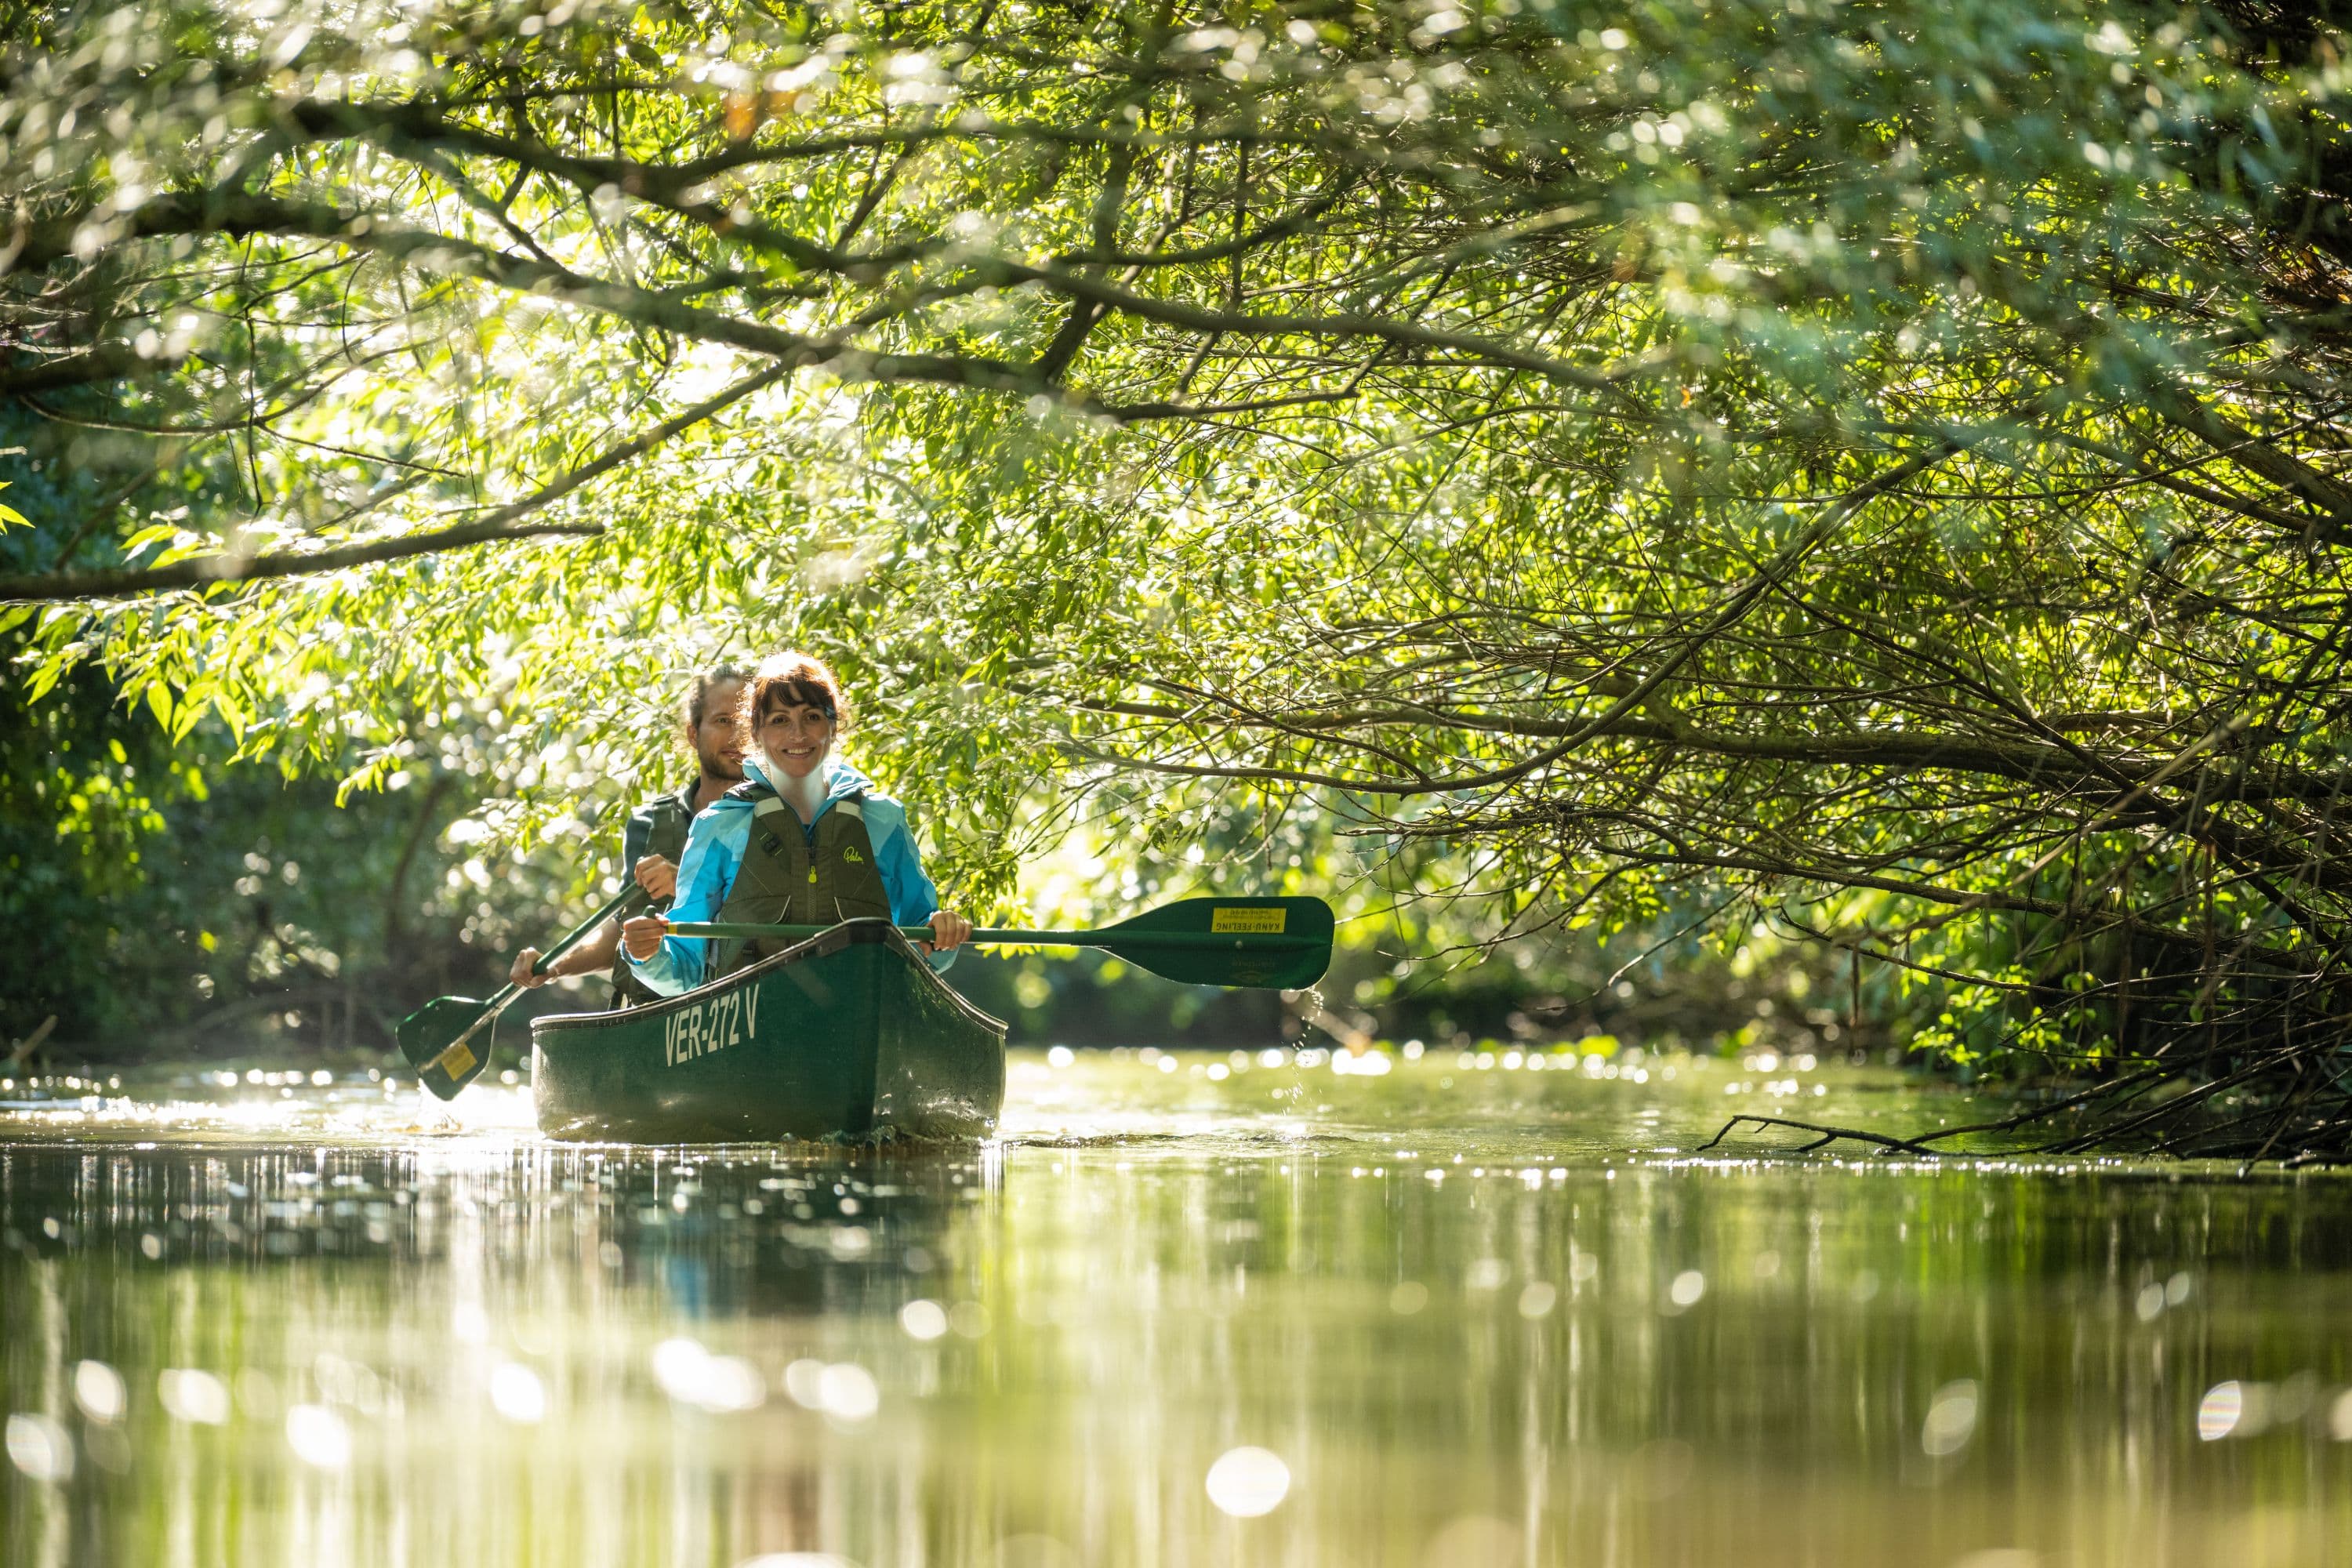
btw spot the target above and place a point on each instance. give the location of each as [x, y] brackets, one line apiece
[833, 939]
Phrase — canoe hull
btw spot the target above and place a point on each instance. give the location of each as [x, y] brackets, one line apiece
[849, 1032]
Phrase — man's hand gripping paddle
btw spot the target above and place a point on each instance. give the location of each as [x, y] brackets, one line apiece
[438, 1037]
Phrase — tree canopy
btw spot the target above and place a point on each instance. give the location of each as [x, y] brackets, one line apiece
[1865, 473]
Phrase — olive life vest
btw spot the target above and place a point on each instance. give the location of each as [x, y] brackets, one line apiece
[667, 818]
[786, 879]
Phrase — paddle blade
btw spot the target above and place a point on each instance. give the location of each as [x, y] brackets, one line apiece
[433, 1040]
[1278, 943]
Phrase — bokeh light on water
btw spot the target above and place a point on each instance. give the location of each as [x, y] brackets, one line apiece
[1238, 1308]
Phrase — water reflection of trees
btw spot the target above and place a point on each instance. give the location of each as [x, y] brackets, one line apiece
[1661, 1361]
[719, 1231]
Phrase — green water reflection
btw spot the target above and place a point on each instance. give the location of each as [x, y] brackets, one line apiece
[1451, 1315]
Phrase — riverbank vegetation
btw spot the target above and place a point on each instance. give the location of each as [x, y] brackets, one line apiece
[1858, 476]
[173, 903]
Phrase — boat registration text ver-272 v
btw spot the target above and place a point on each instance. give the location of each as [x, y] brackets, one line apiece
[711, 1025]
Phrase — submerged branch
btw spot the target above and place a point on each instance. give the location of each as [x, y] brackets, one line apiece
[1828, 1135]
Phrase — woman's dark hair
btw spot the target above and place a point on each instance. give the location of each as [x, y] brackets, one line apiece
[784, 680]
[696, 705]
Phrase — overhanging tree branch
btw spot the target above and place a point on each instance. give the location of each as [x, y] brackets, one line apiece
[230, 566]
[503, 524]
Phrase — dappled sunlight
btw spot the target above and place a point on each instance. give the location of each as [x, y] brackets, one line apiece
[259, 1104]
[1499, 1104]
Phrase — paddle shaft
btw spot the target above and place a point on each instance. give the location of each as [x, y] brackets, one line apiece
[498, 1004]
[1282, 943]
[1214, 940]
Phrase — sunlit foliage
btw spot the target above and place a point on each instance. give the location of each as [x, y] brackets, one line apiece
[1867, 472]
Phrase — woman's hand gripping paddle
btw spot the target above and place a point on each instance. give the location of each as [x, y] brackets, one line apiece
[1280, 943]
[438, 1037]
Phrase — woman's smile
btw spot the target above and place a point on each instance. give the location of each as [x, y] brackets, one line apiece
[796, 739]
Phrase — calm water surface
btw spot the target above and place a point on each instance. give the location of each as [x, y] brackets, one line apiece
[1248, 1311]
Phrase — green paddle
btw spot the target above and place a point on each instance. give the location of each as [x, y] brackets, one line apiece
[438, 1037]
[1280, 943]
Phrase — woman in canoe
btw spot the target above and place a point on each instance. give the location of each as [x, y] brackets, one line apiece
[804, 839]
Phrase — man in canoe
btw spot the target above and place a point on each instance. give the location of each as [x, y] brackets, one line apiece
[654, 841]
[804, 839]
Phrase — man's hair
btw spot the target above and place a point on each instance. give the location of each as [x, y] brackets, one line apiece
[695, 705]
[784, 680]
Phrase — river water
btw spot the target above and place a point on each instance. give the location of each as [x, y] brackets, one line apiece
[1191, 1310]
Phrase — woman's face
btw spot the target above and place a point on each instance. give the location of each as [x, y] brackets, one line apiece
[794, 737]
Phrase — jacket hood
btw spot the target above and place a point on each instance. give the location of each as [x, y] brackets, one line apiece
[840, 778]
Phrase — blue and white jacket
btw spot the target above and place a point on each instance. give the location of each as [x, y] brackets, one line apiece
[714, 853]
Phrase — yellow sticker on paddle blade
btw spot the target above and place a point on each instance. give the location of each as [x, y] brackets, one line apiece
[457, 1062]
[1257, 922]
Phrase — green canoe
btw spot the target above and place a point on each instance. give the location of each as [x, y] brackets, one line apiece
[849, 1032]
